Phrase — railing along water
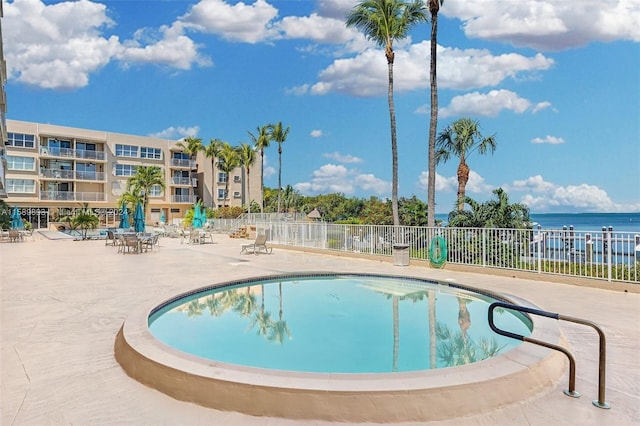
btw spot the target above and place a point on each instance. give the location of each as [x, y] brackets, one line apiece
[604, 255]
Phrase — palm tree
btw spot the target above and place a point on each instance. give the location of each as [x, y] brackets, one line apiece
[84, 219]
[506, 215]
[461, 138]
[228, 160]
[247, 155]
[279, 134]
[434, 8]
[212, 151]
[191, 146]
[385, 21]
[140, 184]
[261, 140]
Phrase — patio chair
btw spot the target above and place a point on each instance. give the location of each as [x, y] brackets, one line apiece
[150, 243]
[259, 245]
[111, 239]
[14, 235]
[130, 244]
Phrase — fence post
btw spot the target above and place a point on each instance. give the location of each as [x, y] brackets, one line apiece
[539, 249]
[609, 248]
[484, 247]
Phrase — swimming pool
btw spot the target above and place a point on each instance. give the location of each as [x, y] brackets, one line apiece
[410, 394]
[337, 324]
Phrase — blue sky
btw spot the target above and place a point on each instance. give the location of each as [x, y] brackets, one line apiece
[557, 81]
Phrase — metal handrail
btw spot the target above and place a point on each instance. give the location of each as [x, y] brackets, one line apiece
[600, 402]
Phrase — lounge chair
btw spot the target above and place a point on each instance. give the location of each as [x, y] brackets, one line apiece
[260, 244]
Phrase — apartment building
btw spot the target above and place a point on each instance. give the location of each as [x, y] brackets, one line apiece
[53, 169]
[3, 110]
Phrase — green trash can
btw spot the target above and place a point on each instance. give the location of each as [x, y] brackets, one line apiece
[401, 254]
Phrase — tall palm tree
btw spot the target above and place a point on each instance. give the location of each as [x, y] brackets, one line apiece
[228, 160]
[247, 155]
[191, 146]
[261, 140]
[385, 21]
[434, 8]
[212, 151]
[461, 138]
[279, 134]
[140, 184]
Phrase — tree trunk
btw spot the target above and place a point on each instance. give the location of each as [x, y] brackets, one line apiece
[463, 178]
[279, 174]
[431, 183]
[262, 180]
[394, 144]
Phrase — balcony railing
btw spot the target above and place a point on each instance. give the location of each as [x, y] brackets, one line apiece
[180, 181]
[72, 153]
[72, 196]
[71, 174]
[183, 199]
[181, 163]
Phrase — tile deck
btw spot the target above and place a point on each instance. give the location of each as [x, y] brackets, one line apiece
[64, 301]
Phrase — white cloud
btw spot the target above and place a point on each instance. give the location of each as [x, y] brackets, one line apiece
[318, 28]
[541, 105]
[553, 140]
[476, 183]
[167, 46]
[341, 158]
[485, 104]
[542, 196]
[177, 132]
[331, 178]
[316, 133]
[249, 23]
[367, 74]
[547, 24]
[269, 171]
[58, 46]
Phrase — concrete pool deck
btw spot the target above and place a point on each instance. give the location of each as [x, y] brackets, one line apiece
[63, 303]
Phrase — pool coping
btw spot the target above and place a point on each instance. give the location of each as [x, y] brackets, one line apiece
[484, 386]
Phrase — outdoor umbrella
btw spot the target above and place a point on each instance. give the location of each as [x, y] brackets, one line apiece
[16, 220]
[124, 218]
[138, 218]
[197, 220]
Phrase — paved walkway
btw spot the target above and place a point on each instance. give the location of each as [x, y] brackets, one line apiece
[64, 301]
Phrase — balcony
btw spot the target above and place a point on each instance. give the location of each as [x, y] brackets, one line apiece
[71, 175]
[183, 199]
[72, 196]
[180, 181]
[183, 164]
[53, 152]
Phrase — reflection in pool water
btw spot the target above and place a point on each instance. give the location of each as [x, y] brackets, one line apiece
[337, 324]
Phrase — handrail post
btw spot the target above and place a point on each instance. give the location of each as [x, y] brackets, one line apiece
[600, 402]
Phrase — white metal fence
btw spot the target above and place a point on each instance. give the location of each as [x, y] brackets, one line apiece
[606, 255]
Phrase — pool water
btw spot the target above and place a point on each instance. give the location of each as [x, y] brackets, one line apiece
[337, 324]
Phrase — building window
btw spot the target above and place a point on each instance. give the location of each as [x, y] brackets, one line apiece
[20, 140]
[180, 156]
[21, 163]
[236, 194]
[126, 151]
[125, 170]
[152, 153]
[155, 191]
[236, 179]
[21, 186]
[221, 194]
[222, 178]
